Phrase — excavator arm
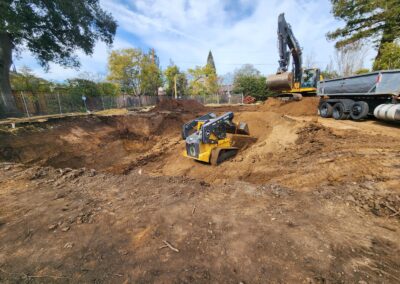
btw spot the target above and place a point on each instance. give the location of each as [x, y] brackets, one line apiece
[286, 39]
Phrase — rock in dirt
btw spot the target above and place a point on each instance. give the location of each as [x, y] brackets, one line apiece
[53, 227]
[65, 229]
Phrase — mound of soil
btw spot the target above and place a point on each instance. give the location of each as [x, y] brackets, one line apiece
[179, 105]
[307, 106]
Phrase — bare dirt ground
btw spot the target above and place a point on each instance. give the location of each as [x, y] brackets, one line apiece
[110, 199]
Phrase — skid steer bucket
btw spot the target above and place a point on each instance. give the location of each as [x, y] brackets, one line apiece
[242, 128]
[242, 141]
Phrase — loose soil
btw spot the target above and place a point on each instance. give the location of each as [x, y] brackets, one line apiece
[111, 199]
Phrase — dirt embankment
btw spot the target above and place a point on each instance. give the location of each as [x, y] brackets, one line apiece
[306, 107]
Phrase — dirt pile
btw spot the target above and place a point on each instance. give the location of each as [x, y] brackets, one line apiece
[167, 104]
[307, 106]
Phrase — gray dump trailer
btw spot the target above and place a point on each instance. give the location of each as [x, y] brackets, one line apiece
[360, 96]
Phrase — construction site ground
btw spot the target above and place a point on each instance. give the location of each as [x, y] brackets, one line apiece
[111, 199]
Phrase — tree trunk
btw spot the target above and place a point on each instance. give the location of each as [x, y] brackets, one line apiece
[5, 63]
[387, 37]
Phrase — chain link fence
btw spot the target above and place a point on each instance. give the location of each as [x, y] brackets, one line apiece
[217, 99]
[30, 105]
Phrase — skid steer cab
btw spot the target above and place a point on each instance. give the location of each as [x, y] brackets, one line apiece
[213, 139]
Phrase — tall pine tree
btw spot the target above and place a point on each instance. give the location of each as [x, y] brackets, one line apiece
[210, 61]
[366, 19]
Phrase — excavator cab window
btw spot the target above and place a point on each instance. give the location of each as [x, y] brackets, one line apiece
[310, 78]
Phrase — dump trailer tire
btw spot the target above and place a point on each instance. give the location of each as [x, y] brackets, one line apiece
[359, 110]
[325, 110]
[339, 112]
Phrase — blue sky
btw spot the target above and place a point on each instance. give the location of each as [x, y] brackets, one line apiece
[236, 31]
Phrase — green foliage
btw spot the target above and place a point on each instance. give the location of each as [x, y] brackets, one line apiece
[108, 89]
[134, 71]
[181, 81]
[389, 58]
[362, 71]
[81, 87]
[366, 19]
[329, 72]
[151, 74]
[26, 81]
[54, 30]
[248, 81]
[204, 81]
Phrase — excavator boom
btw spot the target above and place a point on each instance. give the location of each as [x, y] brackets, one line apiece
[299, 82]
[286, 39]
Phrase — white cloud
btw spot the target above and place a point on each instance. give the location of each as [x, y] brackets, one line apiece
[237, 32]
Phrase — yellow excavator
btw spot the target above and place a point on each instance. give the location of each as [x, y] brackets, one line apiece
[213, 139]
[300, 82]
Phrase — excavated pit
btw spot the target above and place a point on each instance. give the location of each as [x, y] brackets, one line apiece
[288, 148]
[324, 192]
[101, 143]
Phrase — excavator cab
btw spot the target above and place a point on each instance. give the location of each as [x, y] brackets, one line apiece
[310, 78]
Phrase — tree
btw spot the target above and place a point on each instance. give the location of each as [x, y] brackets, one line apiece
[248, 81]
[134, 71]
[171, 73]
[124, 69]
[350, 58]
[390, 57]
[108, 89]
[210, 62]
[52, 31]
[361, 71]
[366, 19]
[204, 81]
[80, 87]
[151, 74]
[329, 72]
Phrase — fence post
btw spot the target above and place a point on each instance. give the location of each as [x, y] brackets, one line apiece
[242, 98]
[59, 103]
[102, 101]
[26, 107]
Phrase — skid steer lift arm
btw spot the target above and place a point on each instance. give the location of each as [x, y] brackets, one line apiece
[189, 127]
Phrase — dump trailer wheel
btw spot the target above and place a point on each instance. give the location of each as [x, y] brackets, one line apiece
[219, 155]
[325, 110]
[339, 112]
[359, 110]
